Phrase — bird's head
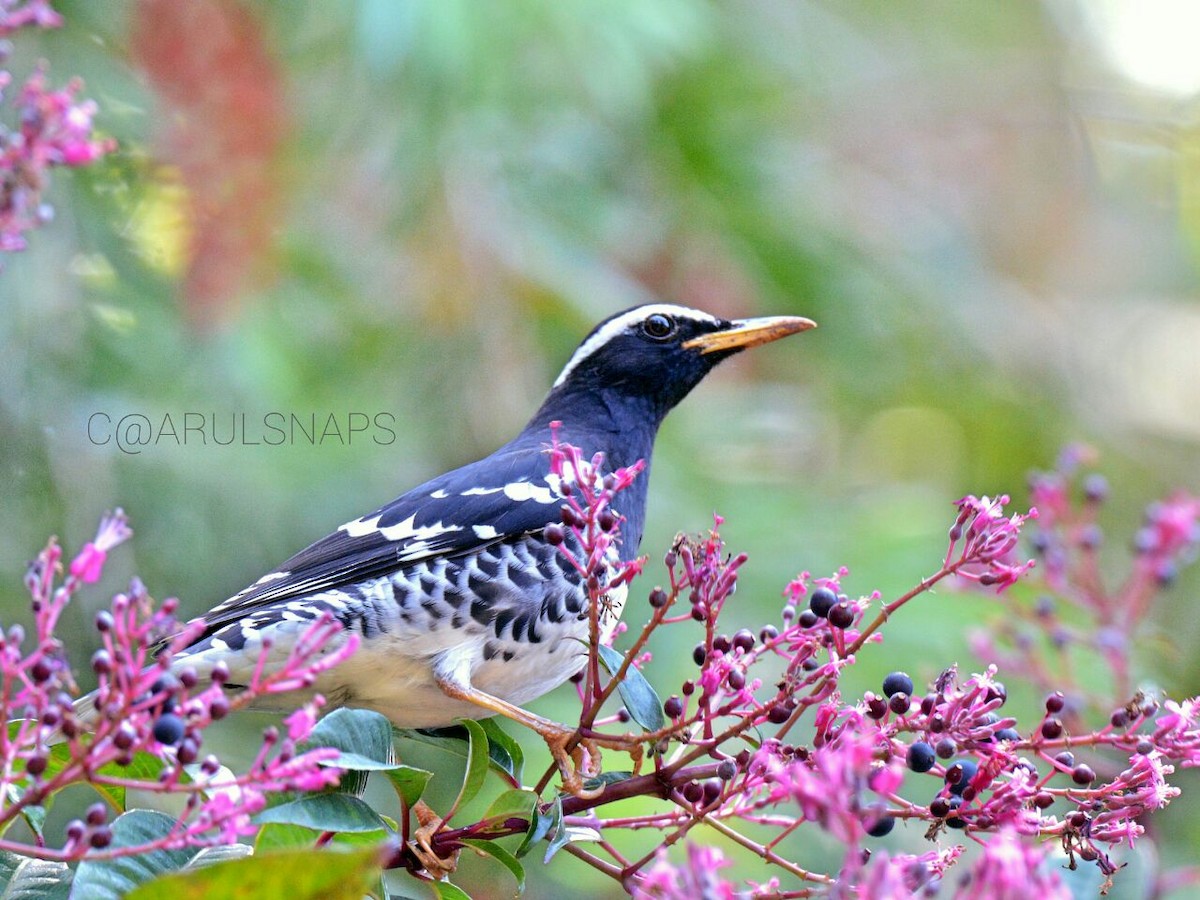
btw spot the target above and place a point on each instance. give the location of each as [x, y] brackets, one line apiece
[643, 361]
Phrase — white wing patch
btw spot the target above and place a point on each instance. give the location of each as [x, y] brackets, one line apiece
[485, 532]
[480, 492]
[524, 490]
[623, 323]
[407, 530]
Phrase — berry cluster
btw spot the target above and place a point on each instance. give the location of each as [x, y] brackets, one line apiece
[143, 727]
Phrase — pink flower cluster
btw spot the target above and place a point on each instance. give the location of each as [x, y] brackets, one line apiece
[590, 526]
[143, 708]
[54, 129]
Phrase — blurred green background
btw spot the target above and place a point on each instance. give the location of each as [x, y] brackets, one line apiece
[416, 208]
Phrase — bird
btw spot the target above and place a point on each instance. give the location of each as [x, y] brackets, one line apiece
[462, 606]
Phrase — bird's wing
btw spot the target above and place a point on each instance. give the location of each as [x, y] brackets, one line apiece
[504, 496]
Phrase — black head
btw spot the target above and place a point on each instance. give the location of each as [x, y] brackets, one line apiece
[635, 366]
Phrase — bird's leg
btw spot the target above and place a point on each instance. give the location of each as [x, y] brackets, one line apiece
[570, 763]
[421, 844]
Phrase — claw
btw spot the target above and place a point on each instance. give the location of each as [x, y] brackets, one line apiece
[438, 867]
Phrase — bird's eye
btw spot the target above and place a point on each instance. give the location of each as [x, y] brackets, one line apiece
[659, 326]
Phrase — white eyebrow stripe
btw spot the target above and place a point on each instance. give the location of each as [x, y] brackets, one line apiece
[621, 323]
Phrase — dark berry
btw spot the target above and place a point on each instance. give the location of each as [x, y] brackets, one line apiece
[920, 757]
[220, 673]
[953, 821]
[1052, 728]
[74, 831]
[928, 702]
[768, 633]
[1043, 799]
[1119, 719]
[897, 683]
[899, 703]
[1083, 774]
[124, 736]
[623, 715]
[940, 807]
[219, 707]
[41, 670]
[688, 688]
[97, 814]
[882, 827]
[712, 790]
[736, 680]
[168, 729]
[808, 618]
[876, 707]
[726, 770]
[568, 516]
[673, 707]
[1008, 734]
[658, 598]
[36, 765]
[1077, 819]
[699, 613]
[101, 837]
[104, 621]
[842, 615]
[822, 601]
[743, 640]
[554, 534]
[1066, 759]
[699, 654]
[607, 520]
[1055, 703]
[778, 714]
[692, 792]
[189, 751]
[995, 691]
[722, 644]
[946, 748]
[959, 775]
[1144, 747]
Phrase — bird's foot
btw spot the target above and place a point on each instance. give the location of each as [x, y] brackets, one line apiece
[421, 844]
[576, 764]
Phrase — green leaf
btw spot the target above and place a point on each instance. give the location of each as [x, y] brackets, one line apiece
[39, 879]
[502, 856]
[324, 812]
[604, 779]
[506, 754]
[8, 864]
[277, 836]
[362, 738]
[557, 831]
[409, 783]
[506, 809]
[512, 805]
[447, 891]
[114, 878]
[643, 704]
[477, 763]
[210, 856]
[145, 767]
[455, 740]
[297, 875]
[541, 823]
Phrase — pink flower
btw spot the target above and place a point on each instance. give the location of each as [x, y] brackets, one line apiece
[698, 880]
[990, 541]
[88, 565]
[1012, 868]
